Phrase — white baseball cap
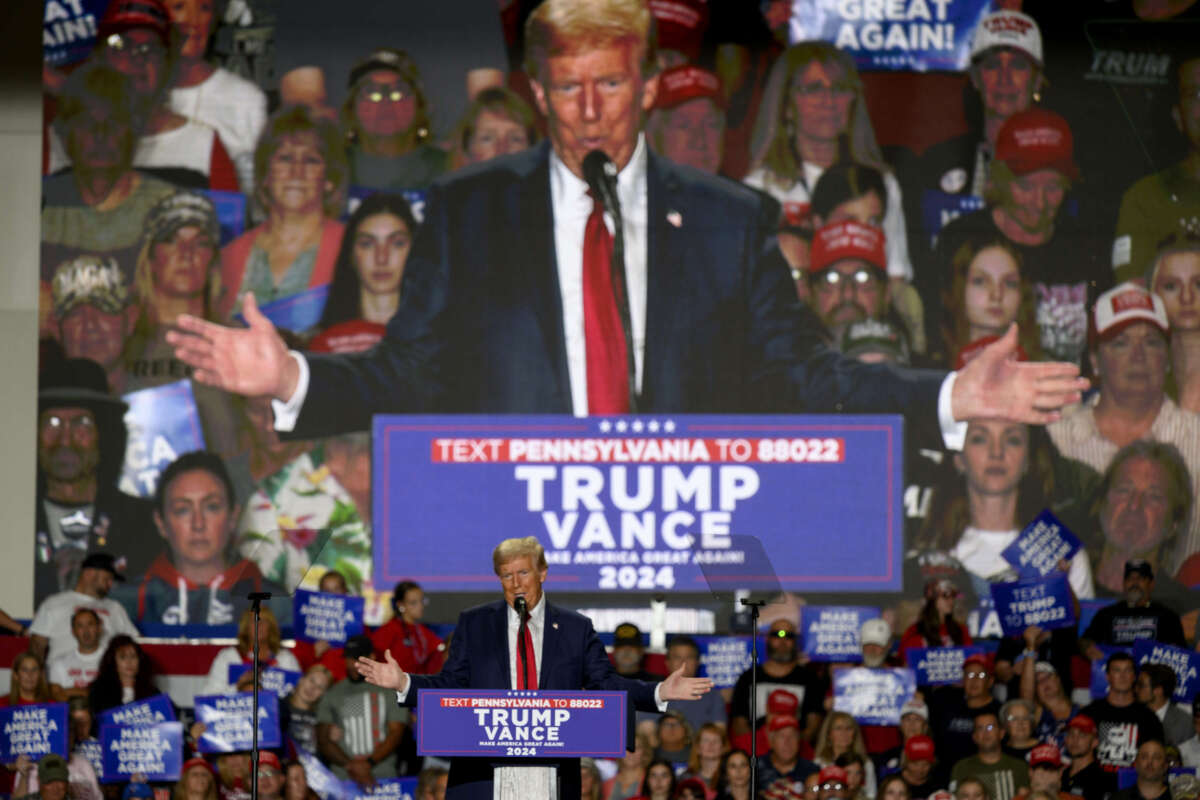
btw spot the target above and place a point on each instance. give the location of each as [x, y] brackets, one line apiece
[1123, 305]
[1008, 29]
[875, 631]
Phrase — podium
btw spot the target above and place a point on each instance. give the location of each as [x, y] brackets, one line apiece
[521, 733]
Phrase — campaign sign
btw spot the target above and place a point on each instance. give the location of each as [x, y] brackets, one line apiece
[226, 719]
[507, 723]
[33, 730]
[873, 696]
[1040, 546]
[273, 679]
[939, 208]
[723, 659]
[642, 504]
[155, 751]
[90, 750]
[831, 632]
[322, 780]
[231, 213]
[1045, 602]
[333, 618]
[385, 789]
[1186, 664]
[1099, 681]
[939, 666]
[903, 35]
[163, 423]
[414, 197]
[150, 711]
[69, 30]
[297, 312]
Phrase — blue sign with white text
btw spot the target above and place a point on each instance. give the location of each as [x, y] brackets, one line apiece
[226, 719]
[155, 751]
[163, 423]
[150, 711]
[1186, 664]
[69, 29]
[723, 659]
[1038, 549]
[385, 789]
[297, 313]
[643, 504]
[273, 679]
[333, 618]
[831, 633]
[1044, 602]
[33, 730]
[939, 666]
[873, 696]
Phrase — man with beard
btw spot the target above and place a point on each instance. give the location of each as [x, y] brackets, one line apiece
[956, 708]
[1123, 724]
[781, 670]
[1001, 773]
[1084, 776]
[847, 275]
[53, 630]
[80, 451]
[94, 312]
[1151, 766]
[1133, 617]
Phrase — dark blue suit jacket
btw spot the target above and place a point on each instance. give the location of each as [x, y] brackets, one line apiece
[572, 658]
[479, 328]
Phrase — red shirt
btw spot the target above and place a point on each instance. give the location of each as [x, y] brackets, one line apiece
[416, 648]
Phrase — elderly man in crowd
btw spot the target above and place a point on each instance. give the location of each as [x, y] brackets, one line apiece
[1135, 616]
[687, 124]
[94, 312]
[1003, 774]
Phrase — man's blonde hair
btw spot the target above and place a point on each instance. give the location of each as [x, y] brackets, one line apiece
[561, 27]
[509, 549]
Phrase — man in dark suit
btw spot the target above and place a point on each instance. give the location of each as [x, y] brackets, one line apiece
[499, 310]
[565, 654]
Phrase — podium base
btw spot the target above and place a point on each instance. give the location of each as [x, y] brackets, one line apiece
[525, 783]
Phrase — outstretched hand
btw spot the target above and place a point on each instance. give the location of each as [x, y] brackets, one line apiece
[386, 673]
[677, 687]
[994, 385]
[249, 361]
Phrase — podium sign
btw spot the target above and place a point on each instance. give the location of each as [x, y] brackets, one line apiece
[515, 724]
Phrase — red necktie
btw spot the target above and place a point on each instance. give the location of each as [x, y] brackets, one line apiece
[607, 370]
[529, 679]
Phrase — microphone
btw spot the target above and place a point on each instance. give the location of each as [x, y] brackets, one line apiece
[601, 175]
[521, 608]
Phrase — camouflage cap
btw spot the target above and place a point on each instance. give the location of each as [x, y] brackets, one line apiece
[178, 210]
[89, 279]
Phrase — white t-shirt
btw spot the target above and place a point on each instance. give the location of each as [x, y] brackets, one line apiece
[979, 552]
[217, 681]
[74, 670]
[53, 619]
[235, 108]
[189, 146]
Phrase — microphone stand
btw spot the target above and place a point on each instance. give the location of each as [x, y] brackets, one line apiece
[754, 606]
[256, 599]
[522, 660]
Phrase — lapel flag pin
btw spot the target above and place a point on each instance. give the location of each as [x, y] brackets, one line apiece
[554, 625]
[675, 218]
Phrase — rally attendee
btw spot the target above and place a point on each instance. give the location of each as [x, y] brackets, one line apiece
[270, 776]
[28, 683]
[709, 746]
[1129, 354]
[781, 670]
[81, 774]
[1175, 277]
[1085, 777]
[1151, 766]
[936, 625]
[300, 182]
[783, 758]
[1045, 773]
[628, 652]
[847, 275]
[733, 781]
[813, 98]
[322, 651]
[371, 723]
[197, 578]
[94, 313]
[1155, 689]
[1189, 749]
[415, 647]
[914, 721]
[660, 781]
[840, 734]
[70, 672]
[631, 771]
[386, 119]
[893, 787]
[919, 768]
[431, 782]
[1016, 664]
[955, 710]
[52, 629]
[271, 652]
[230, 104]
[301, 706]
[1168, 201]
[683, 651]
[365, 291]
[125, 675]
[687, 123]
[196, 781]
[1017, 722]
[1001, 773]
[497, 122]
[690, 789]
[1135, 616]
[53, 778]
[1055, 708]
[80, 508]
[674, 737]
[1122, 724]
[876, 342]
[834, 784]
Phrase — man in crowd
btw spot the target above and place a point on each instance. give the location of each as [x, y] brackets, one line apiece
[1135, 616]
[781, 670]
[1151, 766]
[270, 776]
[458, 345]
[1045, 772]
[1168, 201]
[1189, 750]
[783, 758]
[1128, 349]
[560, 650]
[1155, 689]
[917, 767]
[431, 784]
[833, 783]
[1000, 772]
[628, 653]
[1122, 724]
[1085, 777]
[80, 509]
[687, 124]
[955, 709]
[371, 723]
[73, 670]
[94, 312]
[683, 651]
[52, 629]
[847, 275]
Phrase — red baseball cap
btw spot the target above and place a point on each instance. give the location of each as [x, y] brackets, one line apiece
[832, 773]
[919, 748]
[781, 701]
[268, 759]
[781, 721]
[1037, 139]
[1045, 753]
[847, 239]
[978, 658]
[196, 762]
[1082, 722]
[973, 349]
[680, 25]
[123, 15]
[680, 84]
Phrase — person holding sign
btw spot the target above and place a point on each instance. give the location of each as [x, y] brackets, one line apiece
[271, 652]
[548, 647]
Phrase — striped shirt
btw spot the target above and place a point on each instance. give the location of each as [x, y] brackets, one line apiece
[363, 712]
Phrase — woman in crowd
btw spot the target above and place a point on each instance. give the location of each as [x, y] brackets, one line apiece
[28, 684]
[733, 779]
[708, 750]
[1175, 277]
[659, 783]
[971, 789]
[233, 106]
[812, 99]
[295, 782]
[674, 737]
[415, 647]
[233, 776]
[497, 122]
[893, 787]
[914, 721]
[986, 294]
[300, 182]
[1053, 706]
[1006, 476]
[690, 789]
[387, 125]
[1019, 719]
[125, 675]
[631, 772]
[936, 626]
[839, 734]
[270, 651]
[198, 579]
[856, 774]
[196, 781]
[365, 291]
[589, 779]
[301, 706]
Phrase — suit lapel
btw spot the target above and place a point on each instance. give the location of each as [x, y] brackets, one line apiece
[549, 645]
[501, 647]
[665, 232]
